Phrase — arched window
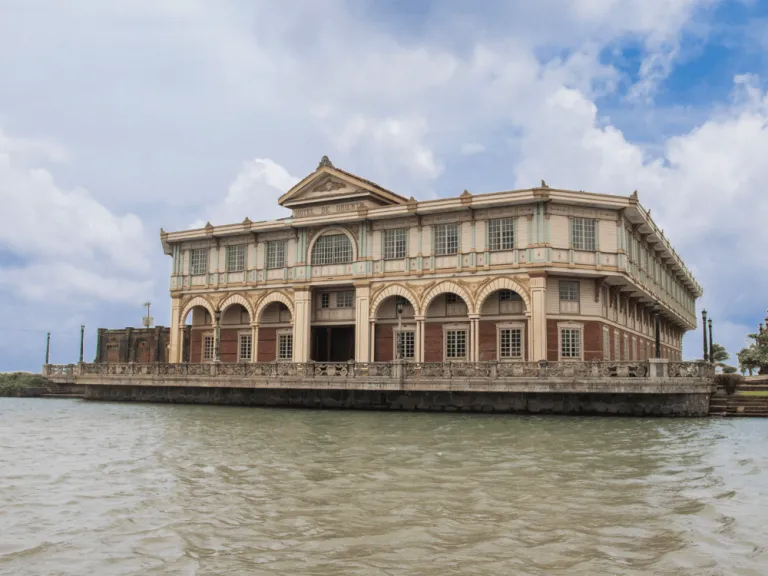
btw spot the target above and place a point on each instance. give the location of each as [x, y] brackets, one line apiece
[332, 249]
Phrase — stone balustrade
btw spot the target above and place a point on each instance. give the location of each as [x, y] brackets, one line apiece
[388, 371]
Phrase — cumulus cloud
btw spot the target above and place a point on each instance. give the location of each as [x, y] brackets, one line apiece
[229, 81]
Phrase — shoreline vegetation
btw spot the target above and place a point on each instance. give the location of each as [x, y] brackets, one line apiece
[14, 384]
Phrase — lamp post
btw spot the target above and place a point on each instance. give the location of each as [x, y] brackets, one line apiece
[399, 339]
[711, 355]
[657, 326]
[217, 335]
[82, 338]
[47, 348]
[704, 333]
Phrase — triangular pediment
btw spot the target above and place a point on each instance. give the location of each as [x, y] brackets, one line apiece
[331, 185]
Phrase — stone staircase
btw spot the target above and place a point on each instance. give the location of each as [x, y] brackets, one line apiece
[56, 390]
[738, 405]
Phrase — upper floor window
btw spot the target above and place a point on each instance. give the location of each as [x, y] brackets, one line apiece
[583, 234]
[276, 254]
[508, 296]
[501, 234]
[198, 261]
[344, 299]
[332, 249]
[236, 258]
[395, 242]
[325, 300]
[446, 239]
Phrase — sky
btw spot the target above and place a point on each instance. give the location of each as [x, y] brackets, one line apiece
[119, 118]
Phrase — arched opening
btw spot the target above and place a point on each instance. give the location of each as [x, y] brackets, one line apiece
[275, 333]
[503, 327]
[199, 338]
[332, 249]
[447, 329]
[235, 337]
[395, 330]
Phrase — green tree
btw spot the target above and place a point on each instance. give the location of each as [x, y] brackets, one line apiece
[719, 354]
[755, 356]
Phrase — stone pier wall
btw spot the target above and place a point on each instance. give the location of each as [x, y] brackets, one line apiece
[683, 404]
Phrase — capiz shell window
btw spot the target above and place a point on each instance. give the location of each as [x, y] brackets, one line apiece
[332, 249]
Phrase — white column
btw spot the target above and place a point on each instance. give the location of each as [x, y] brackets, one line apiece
[180, 343]
[420, 322]
[254, 342]
[217, 339]
[174, 354]
[372, 340]
[539, 317]
[362, 332]
[418, 357]
[301, 324]
[474, 344]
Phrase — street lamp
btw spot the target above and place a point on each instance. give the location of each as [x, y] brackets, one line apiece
[711, 352]
[704, 334]
[657, 326]
[216, 357]
[82, 338]
[399, 339]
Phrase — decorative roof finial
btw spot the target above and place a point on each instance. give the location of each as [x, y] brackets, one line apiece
[324, 162]
[634, 195]
[544, 184]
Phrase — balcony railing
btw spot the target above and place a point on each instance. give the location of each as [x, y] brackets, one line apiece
[392, 370]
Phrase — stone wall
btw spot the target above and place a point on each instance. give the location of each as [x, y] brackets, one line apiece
[133, 345]
[490, 402]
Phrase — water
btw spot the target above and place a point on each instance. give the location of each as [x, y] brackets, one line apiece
[118, 489]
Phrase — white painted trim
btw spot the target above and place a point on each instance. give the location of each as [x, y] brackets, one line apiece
[511, 326]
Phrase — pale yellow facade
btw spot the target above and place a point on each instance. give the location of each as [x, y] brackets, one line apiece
[525, 275]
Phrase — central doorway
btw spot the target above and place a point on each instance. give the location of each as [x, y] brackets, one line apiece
[333, 343]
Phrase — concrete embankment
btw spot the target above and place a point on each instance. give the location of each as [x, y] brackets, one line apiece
[683, 404]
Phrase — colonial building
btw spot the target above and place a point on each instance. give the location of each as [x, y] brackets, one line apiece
[358, 272]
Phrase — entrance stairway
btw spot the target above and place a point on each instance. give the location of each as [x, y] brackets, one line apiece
[738, 405]
[55, 390]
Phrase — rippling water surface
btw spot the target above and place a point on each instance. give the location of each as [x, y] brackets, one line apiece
[108, 489]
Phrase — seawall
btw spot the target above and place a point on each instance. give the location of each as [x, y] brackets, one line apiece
[635, 404]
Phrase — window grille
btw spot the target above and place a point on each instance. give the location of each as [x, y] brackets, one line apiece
[606, 345]
[246, 347]
[207, 347]
[332, 249]
[625, 356]
[510, 343]
[446, 239]
[569, 291]
[405, 345]
[570, 339]
[616, 345]
[583, 234]
[198, 263]
[325, 300]
[344, 299]
[236, 258]
[501, 234]
[276, 254]
[285, 347]
[395, 242]
[455, 344]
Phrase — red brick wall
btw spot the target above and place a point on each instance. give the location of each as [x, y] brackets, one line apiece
[433, 342]
[552, 341]
[267, 345]
[593, 341]
[196, 347]
[383, 346]
[228, 345]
